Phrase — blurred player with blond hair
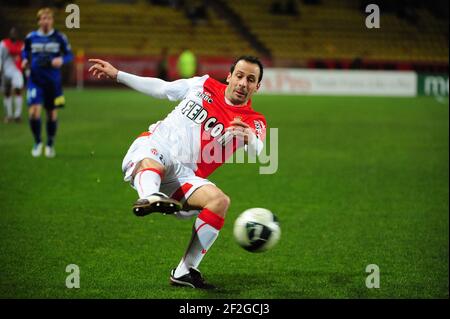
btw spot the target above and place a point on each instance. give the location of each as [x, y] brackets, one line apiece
[45, 51]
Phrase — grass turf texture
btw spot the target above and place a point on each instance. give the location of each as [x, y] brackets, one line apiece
[360, 181]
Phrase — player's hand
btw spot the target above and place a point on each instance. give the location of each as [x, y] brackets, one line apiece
[103, 69]
[57, 62]
[241, 130]
[24, 63]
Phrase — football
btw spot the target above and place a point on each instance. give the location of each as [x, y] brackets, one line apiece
[257, 229]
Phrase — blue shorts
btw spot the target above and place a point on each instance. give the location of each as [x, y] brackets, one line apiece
[48, 94]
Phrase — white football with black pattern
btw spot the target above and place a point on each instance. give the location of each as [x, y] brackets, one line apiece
[257, 230]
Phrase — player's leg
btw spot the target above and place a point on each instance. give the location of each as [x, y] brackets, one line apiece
[146, 179]
[18, 101]
[214, 205]
[54, 99]
[34, 101]
[51, 126]
[34, 115]
[7, 99]
[17, 84]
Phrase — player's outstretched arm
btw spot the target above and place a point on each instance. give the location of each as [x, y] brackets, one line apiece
[155, 87]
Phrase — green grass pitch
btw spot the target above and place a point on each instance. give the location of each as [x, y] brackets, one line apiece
[360, 181]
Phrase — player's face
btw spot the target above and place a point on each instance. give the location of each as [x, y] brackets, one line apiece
[243, 82]
[13, 34]
[46, 22]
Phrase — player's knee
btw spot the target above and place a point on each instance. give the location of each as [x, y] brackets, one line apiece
[34, 112]
[53, 115]
[149, 163]
[220, 203]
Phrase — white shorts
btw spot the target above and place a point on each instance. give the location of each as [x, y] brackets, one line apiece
[12, 79]
[179, 181]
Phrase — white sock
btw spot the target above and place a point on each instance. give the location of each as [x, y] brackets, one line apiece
[18, 104]
[205, 231]
[147, 182]
[186, 214]
[7, 102]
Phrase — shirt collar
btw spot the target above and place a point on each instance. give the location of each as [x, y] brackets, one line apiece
[49, 33]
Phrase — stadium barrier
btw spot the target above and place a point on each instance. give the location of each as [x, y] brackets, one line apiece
[293, 81]
[339, 82]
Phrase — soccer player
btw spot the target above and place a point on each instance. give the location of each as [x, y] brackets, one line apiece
[169, 164]
[45, 51]
[12, 78]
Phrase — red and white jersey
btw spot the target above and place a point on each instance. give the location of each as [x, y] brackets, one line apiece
[195, 131]
[10, 59]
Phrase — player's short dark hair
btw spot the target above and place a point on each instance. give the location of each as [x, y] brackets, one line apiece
[250, 59]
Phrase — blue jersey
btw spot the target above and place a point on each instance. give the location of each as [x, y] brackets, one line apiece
[44, 83]
[40, 49]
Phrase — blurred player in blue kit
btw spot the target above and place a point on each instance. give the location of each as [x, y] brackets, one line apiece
[45, 51]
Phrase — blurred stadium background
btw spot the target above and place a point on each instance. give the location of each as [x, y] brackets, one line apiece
[325, 34]
[361, 179]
